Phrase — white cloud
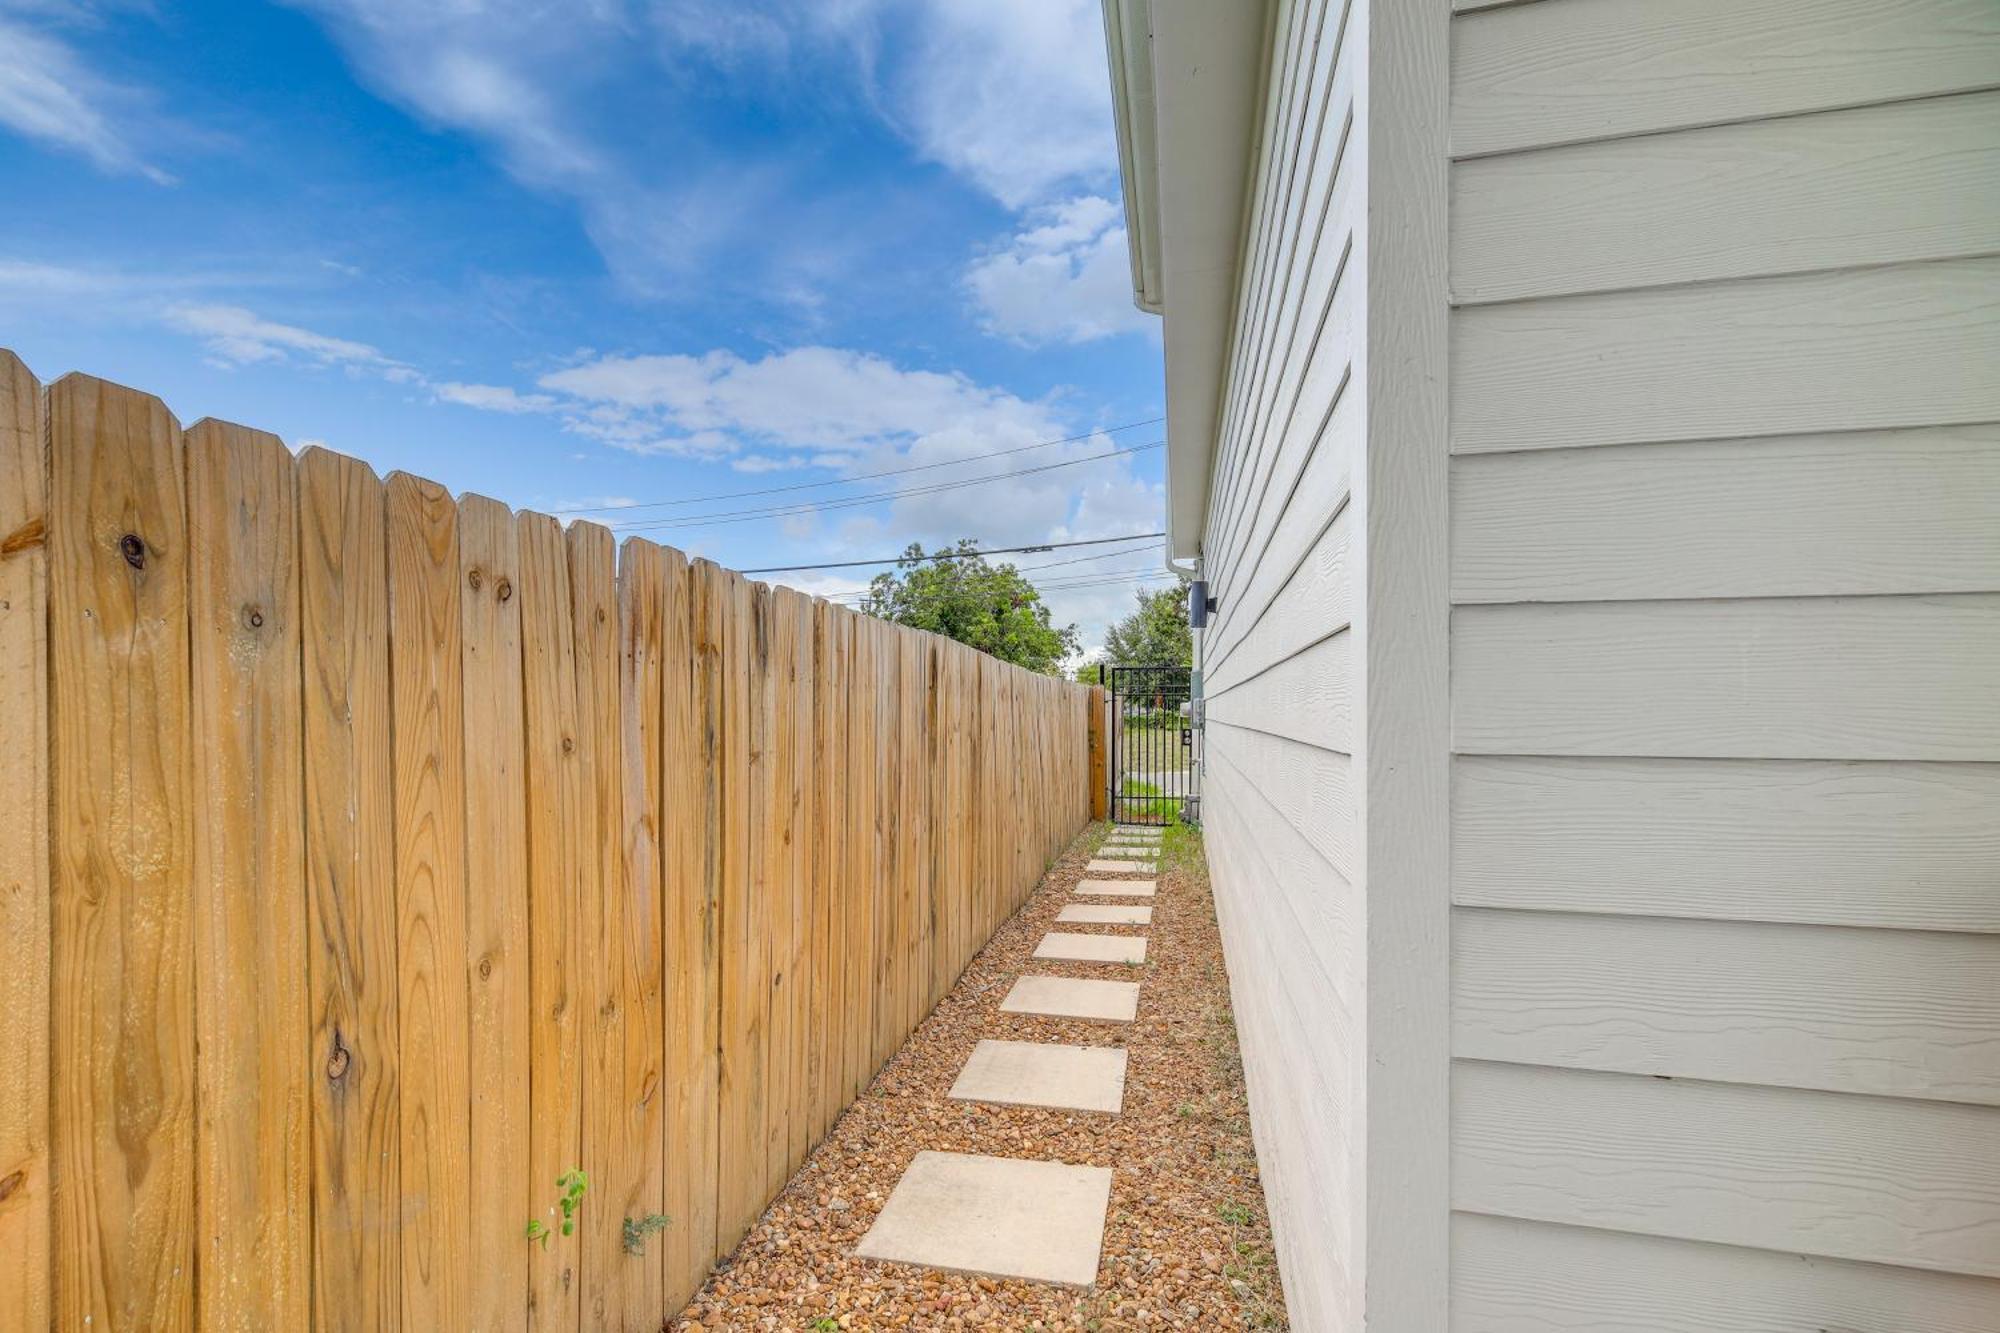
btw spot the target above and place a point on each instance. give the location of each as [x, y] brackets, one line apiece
[758, 464]
[1014, 97]
[236, 336]
[28, 278]
[492, 397]
[1011, 98]
[880, 416]
[1065, 278]
[48, 94]
[805, 398]
[550, 89]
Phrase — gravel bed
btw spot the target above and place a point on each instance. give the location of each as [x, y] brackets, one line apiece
[1187, 1243]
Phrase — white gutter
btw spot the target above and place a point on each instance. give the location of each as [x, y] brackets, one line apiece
[1187, 116]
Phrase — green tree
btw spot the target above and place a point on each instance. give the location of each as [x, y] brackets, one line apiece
[1156, 633]
[959, 595]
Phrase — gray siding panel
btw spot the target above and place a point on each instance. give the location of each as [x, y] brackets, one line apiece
[1867, 512]
[1872, 185]
[1873, 1179]
[1909, 845]
[1279, 810]
[1511, 1276]
[1725, 544]
[1560, 71]
[1907, 345]
[1890, 1013]
[1907, 678]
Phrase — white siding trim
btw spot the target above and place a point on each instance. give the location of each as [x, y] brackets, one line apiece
[1404, 675]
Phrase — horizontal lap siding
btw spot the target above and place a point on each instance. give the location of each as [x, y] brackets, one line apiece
[1725, 505]
[1277, 660]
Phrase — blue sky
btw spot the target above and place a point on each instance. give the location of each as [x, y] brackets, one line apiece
[592, 253]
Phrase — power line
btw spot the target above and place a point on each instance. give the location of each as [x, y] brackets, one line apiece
[852, 501]
[862, 476]
[950, 555]
[1080, 559]
[1048, 564]
[1075, 583]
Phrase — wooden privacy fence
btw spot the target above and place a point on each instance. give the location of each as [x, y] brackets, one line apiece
[368, 860]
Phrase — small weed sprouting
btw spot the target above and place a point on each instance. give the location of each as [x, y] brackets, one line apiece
[826, 1323]
[572, 1183]
[1236, 1214]
[636, 1230]
[1185, 1110]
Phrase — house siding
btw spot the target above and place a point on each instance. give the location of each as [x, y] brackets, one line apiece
[1279, 657]
[1725, 574]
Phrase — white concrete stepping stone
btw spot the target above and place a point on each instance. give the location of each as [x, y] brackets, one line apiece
[995, 1217]
[1152, 834]
[1106, 914]
[1127, 849]
[1058, 947]
[1036, 1073]
[1117, 888]
[1068, 997]
[1119, 867]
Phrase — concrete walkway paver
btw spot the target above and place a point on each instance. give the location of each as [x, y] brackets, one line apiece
[1071, 997]
[1057, 946]
[995, 1217]
[1116, 888]
[1105, 914]
[1003, 1217]
[1036, 1073]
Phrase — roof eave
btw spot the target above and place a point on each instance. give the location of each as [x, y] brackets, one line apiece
[1186, 80]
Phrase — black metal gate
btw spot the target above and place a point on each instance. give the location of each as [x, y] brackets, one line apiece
[1155, 745]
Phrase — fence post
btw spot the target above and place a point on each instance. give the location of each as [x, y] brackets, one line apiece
[1100, 787]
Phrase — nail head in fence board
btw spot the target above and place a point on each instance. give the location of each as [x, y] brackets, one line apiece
[554, 783]
[343, 602]
[123, 1035]
[424, 624]
[594, 606]
[24, 852]
[692, 962]
[496, 912]
[637, 1187]
[253, 1143]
